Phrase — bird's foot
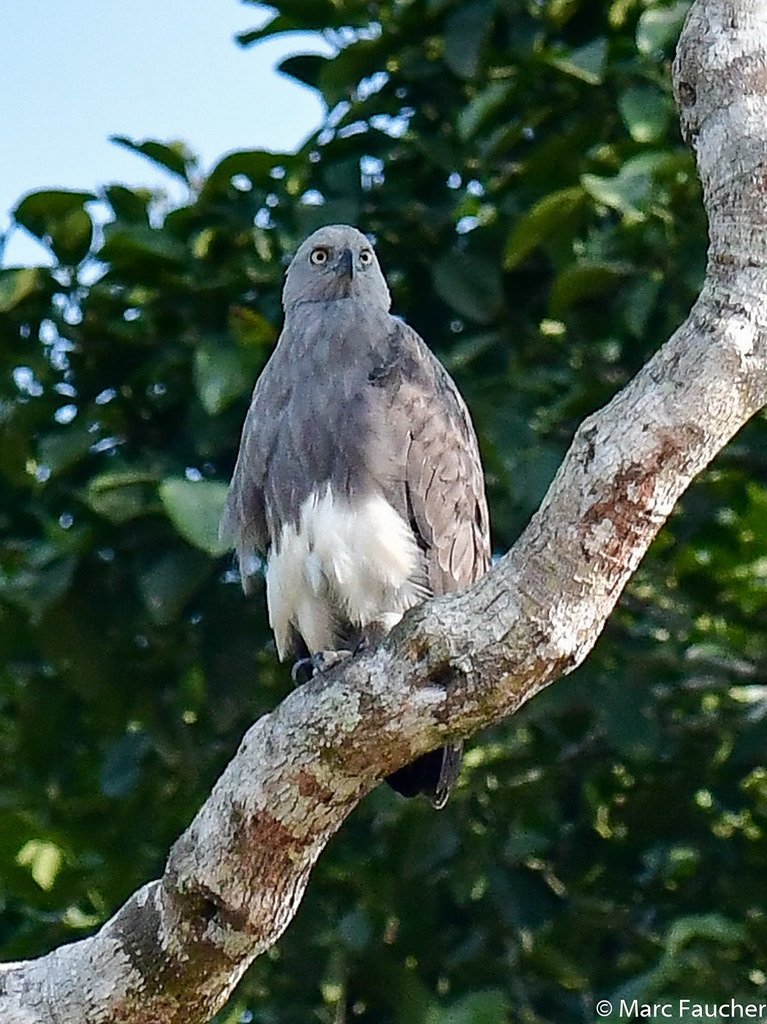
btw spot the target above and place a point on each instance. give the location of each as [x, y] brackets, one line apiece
[306, 668]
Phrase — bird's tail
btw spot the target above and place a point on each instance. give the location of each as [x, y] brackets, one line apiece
[433, 774]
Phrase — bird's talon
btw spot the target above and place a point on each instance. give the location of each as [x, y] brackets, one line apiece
[329, 659]
[323, 661]
[303, 670]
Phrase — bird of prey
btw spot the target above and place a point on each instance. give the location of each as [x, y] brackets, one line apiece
[358, 477]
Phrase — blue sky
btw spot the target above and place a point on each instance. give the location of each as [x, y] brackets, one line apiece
[74, 72]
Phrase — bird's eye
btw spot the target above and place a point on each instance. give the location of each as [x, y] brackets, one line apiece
[318, 257]
[366, 257]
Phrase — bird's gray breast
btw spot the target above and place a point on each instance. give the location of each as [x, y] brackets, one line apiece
[322, 420]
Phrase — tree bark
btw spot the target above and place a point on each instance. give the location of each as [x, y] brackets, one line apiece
[233, 881]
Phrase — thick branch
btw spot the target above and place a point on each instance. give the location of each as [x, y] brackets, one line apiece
[459, 663]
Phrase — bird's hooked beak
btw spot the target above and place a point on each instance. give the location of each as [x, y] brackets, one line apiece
[346, 264]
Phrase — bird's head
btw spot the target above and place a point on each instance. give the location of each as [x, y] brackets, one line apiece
[336, 262]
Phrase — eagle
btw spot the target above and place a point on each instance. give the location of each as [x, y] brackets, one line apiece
[358, 481]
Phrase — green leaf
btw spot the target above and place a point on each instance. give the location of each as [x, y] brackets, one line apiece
[194, 508]
[333, 211]
[168, 585]
[59, 219]
[44, 861]
[552, 213]
[62, 448]
[584, 281]
[628, 191]
[121, 495]
[559, 12]
[305, 68]
[658, 28]
[340, 75]
[139, 242]
[639, 304]
[17, 284]
[254, 164]
[488, 1006]
[121, 768]
[250, 328]
[220, 375]
[713, 927]
[307, 15]
[342, 176]
[646, 112]
[470, 284]
[466, 31]
[48, 578]
[174, 157]
[275, 27]
[522, 845]
[588, 62]
[129, 204]
[72, 238]
[619, 193]
[473, 115]
[39, 211]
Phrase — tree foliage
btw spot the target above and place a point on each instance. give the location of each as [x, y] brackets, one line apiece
[539, 221]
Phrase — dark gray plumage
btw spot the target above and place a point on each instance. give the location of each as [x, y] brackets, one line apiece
[358, 476]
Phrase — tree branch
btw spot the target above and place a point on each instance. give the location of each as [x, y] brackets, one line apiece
[457, 664]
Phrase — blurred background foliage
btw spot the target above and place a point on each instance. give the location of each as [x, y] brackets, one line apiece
[519, 164]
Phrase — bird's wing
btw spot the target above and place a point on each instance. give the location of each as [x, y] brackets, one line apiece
[443, 479]
[244, 520]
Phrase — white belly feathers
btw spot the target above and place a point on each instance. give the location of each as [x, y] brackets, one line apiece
[360, 561]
